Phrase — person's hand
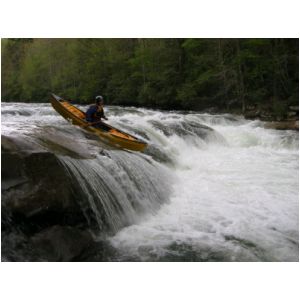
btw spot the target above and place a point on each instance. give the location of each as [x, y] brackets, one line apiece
[88, 124]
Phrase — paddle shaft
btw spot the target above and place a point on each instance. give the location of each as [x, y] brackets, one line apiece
[93, 123]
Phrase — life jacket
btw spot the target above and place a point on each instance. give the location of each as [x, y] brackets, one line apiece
[100, 112]
[90, 114]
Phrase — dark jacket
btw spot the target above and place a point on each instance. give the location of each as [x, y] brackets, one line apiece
[91, 113]
[94, 113]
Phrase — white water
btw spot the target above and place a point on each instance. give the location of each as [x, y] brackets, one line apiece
[241, 188]
[235, 189]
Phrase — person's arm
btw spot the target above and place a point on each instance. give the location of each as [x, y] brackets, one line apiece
[101, 114]
[92, 123]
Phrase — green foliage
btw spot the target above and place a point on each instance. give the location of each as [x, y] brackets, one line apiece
[280, 109]
[12, 56]
[159, 73]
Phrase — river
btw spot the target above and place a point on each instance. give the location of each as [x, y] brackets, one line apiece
[208, 188]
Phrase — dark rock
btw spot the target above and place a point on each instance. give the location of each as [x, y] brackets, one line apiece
[35, 183]
[19, 144]
[158, 154]
[36, 190]
[99, 251]
[42, 217]
[14, 246]
[60, 243]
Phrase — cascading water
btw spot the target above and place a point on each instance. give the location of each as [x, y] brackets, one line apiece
[120, 187]
[208, 187]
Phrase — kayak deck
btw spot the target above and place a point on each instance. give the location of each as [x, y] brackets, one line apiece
[74, 110]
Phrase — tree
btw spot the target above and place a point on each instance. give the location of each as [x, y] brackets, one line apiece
[191, 74]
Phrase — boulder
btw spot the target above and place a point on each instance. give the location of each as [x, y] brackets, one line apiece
[42, 216]
[35, 183]
[60, 243]
[36, 186]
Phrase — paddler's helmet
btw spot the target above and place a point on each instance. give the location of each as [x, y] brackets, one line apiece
[99, 99]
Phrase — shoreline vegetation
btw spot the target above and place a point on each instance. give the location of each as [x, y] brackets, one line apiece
[258, 78]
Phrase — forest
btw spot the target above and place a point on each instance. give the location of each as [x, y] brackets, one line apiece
[170, 73]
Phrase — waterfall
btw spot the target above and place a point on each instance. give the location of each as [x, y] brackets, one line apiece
[120, 187]
[208, 187]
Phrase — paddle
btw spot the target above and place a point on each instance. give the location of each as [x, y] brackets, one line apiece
[104, 126]
[91, 124]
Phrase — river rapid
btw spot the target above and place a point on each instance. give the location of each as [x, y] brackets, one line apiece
[208, 187]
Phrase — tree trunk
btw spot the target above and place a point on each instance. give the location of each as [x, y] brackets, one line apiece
[223, 70]
[241, 84]
[143, 64]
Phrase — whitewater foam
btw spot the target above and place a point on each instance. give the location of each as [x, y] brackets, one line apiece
[233, 194]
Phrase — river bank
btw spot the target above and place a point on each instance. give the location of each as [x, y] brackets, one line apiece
[285, 120]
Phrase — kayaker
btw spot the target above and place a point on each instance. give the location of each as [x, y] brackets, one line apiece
[96, 112]
[100, 111]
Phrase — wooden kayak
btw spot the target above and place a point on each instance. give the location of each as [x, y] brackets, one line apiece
[108, 134]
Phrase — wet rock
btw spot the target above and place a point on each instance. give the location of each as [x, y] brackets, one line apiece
[60, 243]
[14, 246]
[287, 125]
[34, 183]
[100, 250]
[158, 154]
[36, 190]
[59, 144]
[42, 216]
